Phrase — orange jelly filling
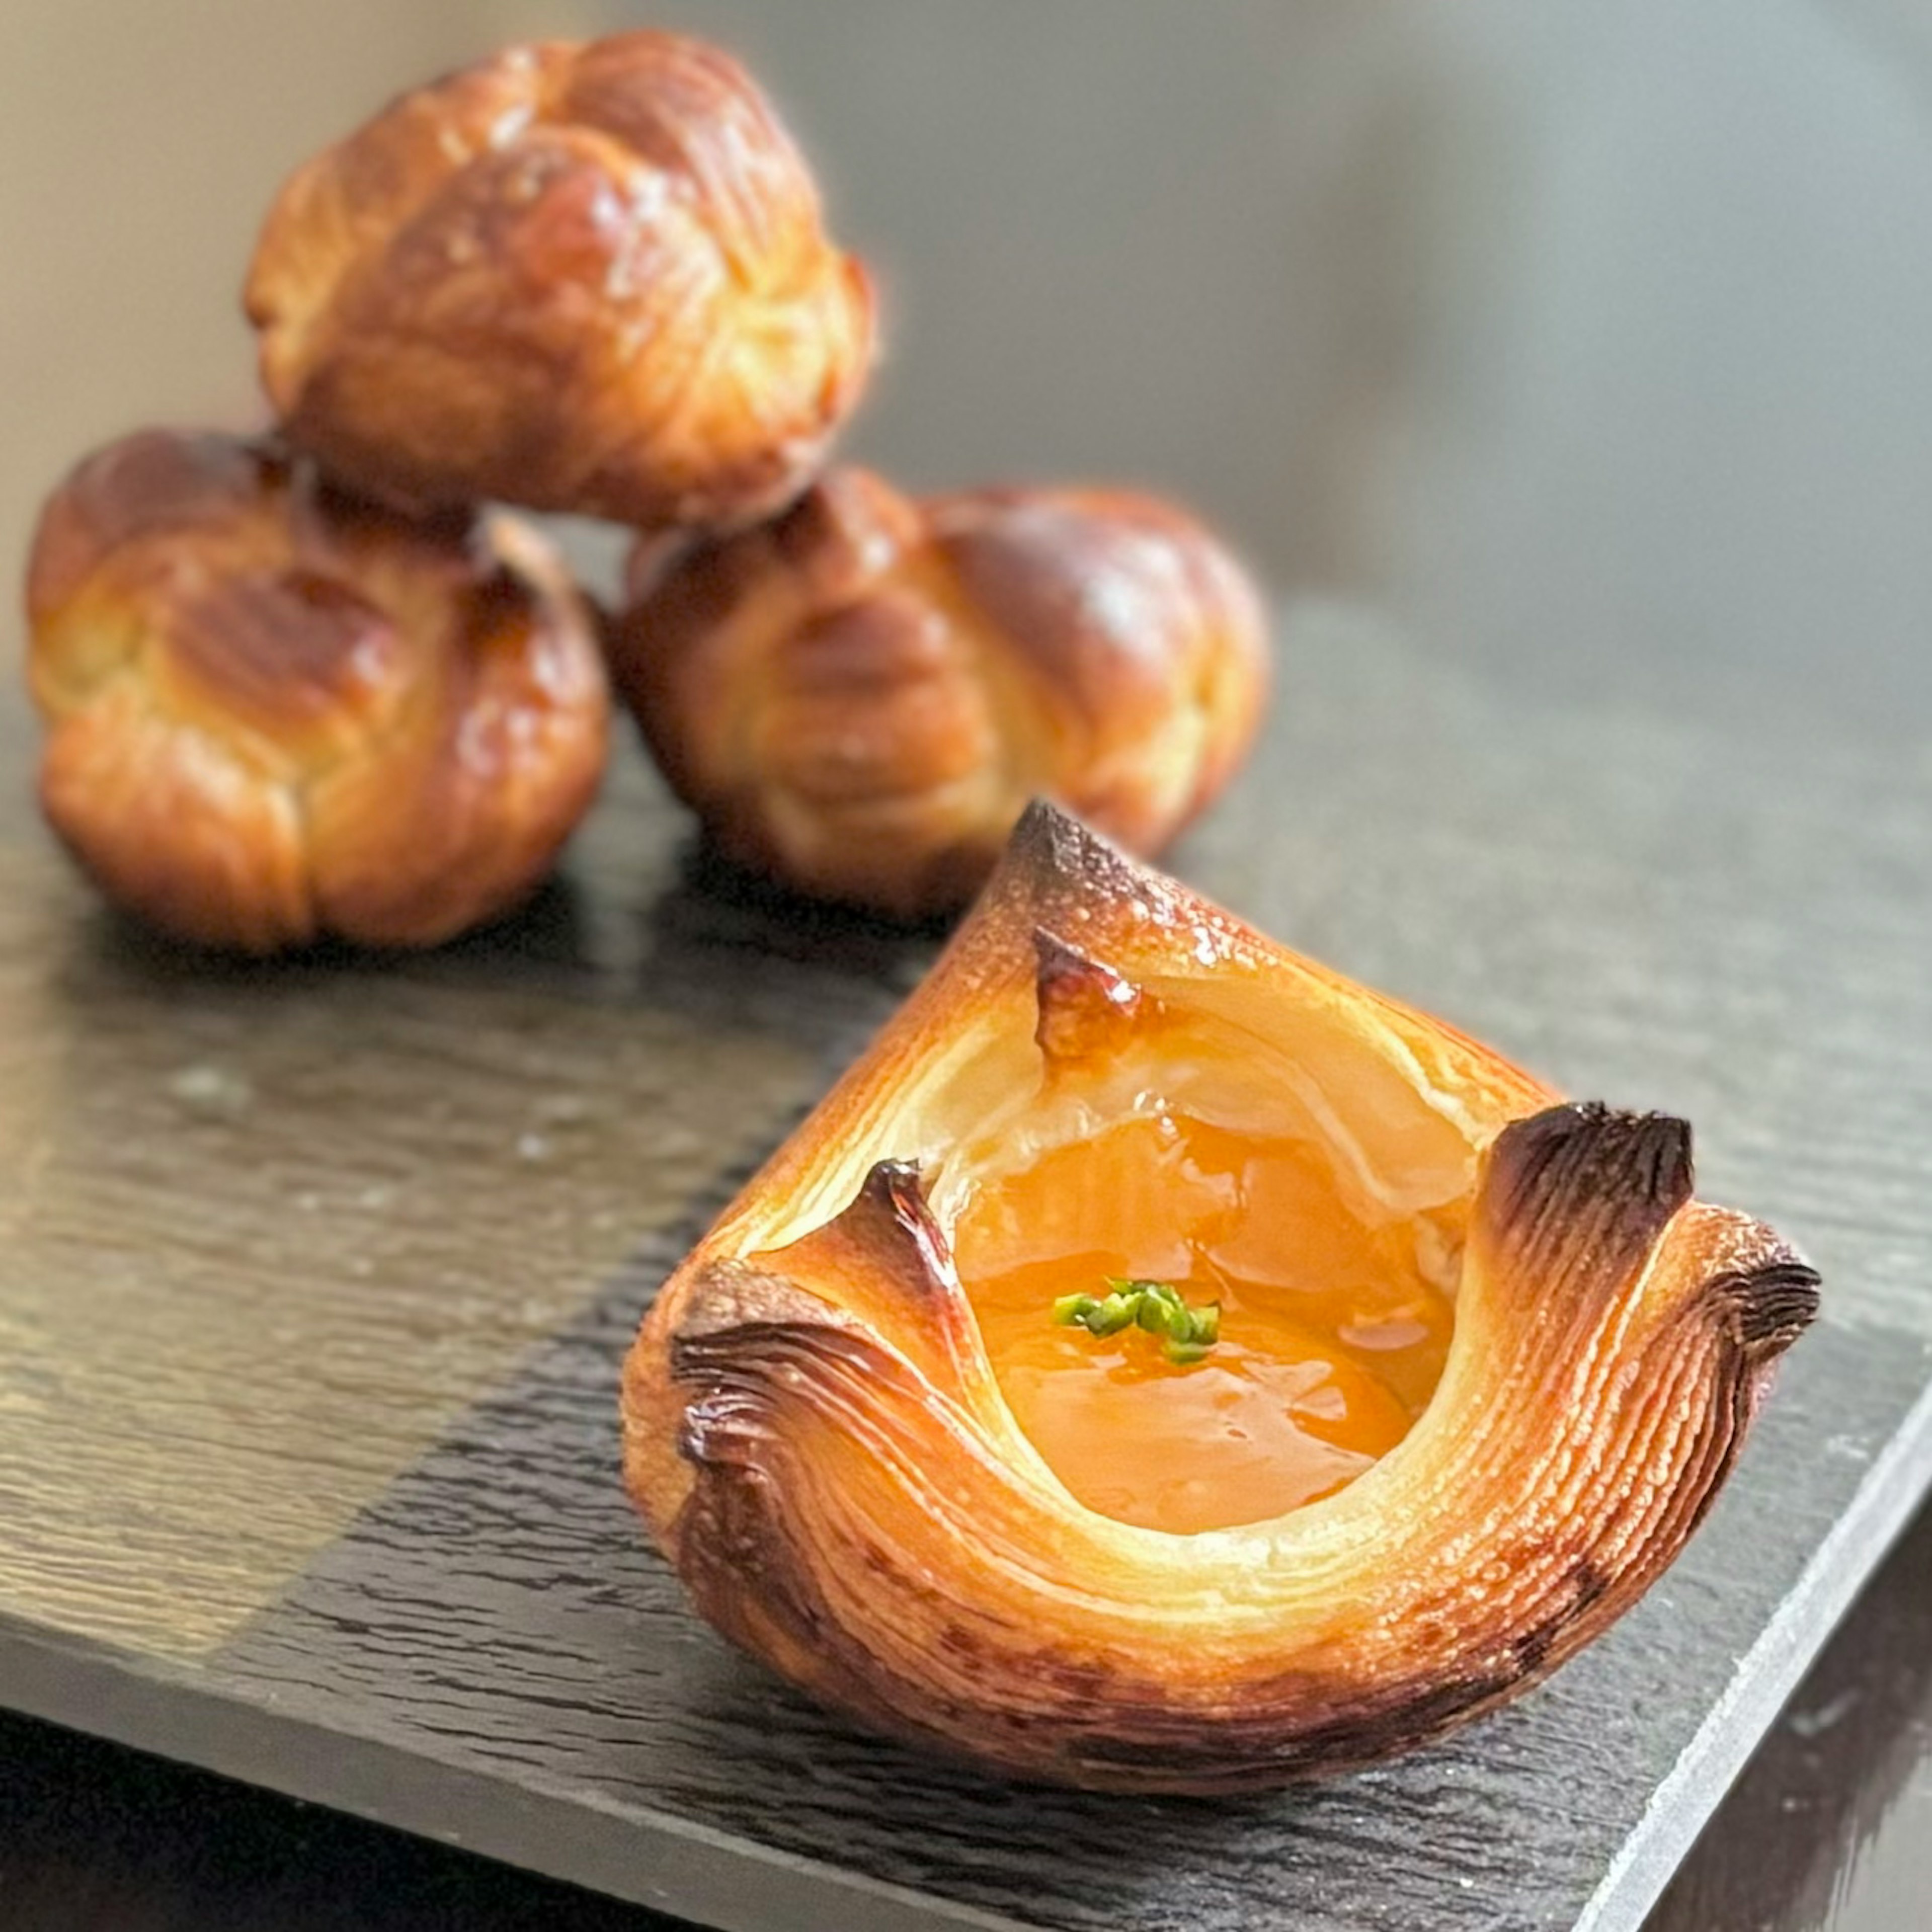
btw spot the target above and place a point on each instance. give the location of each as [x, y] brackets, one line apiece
[1332, 1339]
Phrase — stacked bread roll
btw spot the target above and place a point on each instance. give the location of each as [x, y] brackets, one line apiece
[303, 685]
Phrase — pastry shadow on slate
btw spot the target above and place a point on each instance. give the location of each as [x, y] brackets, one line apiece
[737, 1691]
[721, 942]
[1835, 1766]
[547, 932]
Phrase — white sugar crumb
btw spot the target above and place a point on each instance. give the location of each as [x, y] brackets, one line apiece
[211, 1092]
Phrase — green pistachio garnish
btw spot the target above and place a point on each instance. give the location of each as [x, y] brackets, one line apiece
[1186, 1333]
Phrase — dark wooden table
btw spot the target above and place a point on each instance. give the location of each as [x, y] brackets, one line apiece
[1564, 370]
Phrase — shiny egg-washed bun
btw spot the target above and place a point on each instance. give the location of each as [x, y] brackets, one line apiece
[274, 714]
[860, 699]
[583, 277]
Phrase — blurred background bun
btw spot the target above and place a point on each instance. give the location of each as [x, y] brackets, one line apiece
[585, 278]
[860, 699]
[274, 713]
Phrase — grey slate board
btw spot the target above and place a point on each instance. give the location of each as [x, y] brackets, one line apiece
[1733, 924]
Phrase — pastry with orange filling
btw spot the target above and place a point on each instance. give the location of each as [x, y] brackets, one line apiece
[1328, 1337]
[1161, 1364]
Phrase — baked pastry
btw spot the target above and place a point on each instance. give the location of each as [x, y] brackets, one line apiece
[582, 278]
[1162, 1365]
[274, 713]
[860, 699]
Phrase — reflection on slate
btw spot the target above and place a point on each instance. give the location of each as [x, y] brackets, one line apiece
[267, 1231]
[1827, 1826]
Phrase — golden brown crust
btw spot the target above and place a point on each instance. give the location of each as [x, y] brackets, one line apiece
[588, 278]
[274, 713]
[860, 698]
[814, 1434]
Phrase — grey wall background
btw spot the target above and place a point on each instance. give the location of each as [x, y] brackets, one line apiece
[1550, 332]
[1554, 327]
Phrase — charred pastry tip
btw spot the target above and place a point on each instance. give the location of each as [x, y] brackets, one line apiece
[1055, 867]
[1045, 844]
[1646, 1154]
[1052, 851]
[737, 1297]
[1586, 1176]
[1082, 1004]
[895, 1188]
[1766, 1309]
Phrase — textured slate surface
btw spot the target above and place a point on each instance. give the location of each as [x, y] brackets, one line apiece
[1731, 925]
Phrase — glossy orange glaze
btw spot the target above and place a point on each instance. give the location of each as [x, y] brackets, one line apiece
[1332, 1338]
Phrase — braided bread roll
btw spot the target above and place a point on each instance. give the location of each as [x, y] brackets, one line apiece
[860, 699]
[274, 713]
[589, 278]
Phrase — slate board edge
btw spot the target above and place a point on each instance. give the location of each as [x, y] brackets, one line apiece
[1847, 1559]
[671, 1865]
